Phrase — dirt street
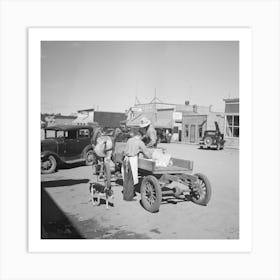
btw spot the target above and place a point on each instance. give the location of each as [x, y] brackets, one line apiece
[68, 213]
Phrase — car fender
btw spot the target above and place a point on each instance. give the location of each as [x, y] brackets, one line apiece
[45, 154]
[86, 149]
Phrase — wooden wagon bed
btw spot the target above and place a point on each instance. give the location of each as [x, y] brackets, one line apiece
[179, 166]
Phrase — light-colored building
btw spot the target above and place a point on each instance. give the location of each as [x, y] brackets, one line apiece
[84, 117]
[232, 124]
[163, 115]
[195, 124]
[53, 120]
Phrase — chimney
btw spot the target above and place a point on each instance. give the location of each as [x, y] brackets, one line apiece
[195, 108]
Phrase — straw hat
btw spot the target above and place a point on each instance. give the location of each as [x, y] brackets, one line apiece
[144, 122]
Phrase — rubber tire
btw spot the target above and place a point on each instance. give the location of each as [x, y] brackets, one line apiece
[210, 140]
[155, 206]
[53, 167]
[86, 157]
[208, 194]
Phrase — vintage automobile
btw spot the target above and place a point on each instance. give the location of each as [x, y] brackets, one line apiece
[212, 139]
[67, 144]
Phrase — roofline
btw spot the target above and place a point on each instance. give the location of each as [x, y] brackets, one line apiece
[86, 110]
[152, 103]
[231, 99]
[110, 112]
[67, 127]
[65, 117]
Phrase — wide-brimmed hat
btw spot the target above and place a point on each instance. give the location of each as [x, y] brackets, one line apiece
[144, 122]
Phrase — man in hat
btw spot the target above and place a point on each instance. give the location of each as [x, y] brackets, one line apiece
[103, 149]
[149, 134]
[134, 147]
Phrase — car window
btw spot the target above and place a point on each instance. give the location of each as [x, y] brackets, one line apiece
[49, 134]
[83, 133]
[60, 133]
[71, 134]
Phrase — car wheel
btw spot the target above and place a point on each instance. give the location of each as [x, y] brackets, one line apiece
[151, 194]
[90, 157]
[208, 141]
[48, 165]
[201, 190]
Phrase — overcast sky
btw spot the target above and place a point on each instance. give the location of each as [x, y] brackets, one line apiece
[109, 75]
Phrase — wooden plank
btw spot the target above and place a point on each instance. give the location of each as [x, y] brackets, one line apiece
[170, 170]
[146, 164]
[179, 166]
[183, 163]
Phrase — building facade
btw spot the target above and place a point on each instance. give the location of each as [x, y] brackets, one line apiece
[53, 120]
[232, 124]
[102, 118]
[163, 115]
[195, 124]
[84, 117]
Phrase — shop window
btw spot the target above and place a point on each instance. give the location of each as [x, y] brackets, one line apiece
[232, 125]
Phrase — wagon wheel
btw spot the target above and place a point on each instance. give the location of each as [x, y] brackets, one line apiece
[201, 190]
[151, 194]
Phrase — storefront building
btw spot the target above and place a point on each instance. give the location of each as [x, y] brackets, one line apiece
[232, 124]
[195, 124]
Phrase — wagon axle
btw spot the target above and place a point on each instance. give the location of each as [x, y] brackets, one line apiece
[197, 187]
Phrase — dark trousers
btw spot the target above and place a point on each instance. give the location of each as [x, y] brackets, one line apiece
[128, 184]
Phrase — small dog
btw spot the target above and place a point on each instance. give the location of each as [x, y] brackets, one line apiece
[98, 191]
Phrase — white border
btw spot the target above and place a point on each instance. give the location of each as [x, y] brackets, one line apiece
[243, 35]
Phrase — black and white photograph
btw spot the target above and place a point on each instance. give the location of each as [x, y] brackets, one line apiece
[140, 139]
